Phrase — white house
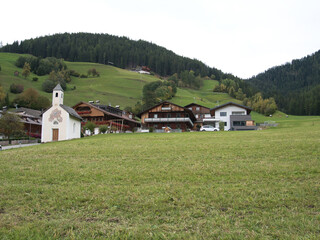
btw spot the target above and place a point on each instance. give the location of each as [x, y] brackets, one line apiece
[234, 116]
[60, 122]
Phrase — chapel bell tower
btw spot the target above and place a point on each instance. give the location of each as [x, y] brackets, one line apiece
[57, 95]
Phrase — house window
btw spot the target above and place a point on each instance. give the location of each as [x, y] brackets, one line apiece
[168, 115]
[197, 116]
[155, 115]
[178, 126]
[178, 115]
[56, 94]
[198, 108]
[190, 108]
[223, 114]
[239, 123]
[225, 124]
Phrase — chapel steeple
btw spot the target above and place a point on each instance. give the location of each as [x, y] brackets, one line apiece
[57, 95]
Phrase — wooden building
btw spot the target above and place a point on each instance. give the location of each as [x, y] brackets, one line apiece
[31, 120]
[167, 115]
[106, 115]
[201, 113]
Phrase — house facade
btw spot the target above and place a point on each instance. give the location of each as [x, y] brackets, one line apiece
[203, 116]
[167, 115]
[235, 116]
[60, 122]
[106, 115]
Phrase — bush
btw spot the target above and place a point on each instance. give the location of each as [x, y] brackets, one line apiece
[103, 129]
[48, 86]
[35, 79]
[83, 76]
[90, 126]
[74, 73]
[32, 99]
[221, 126]
[16, 88]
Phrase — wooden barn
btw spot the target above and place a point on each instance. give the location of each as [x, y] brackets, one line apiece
[106, 115]
[167, 115]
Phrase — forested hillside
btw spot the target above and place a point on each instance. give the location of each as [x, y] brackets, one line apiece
[295, 86]
[107, 49]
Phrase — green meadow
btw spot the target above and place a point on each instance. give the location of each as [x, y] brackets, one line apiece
[115, 86]
[197, 185]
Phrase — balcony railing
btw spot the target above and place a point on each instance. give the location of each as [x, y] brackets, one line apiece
[148, 120]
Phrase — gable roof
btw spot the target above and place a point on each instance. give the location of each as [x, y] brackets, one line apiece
[58, 88]
[28, 111]
[196, 104]
[71, 111]
[106, 112]
[232, 103]
[186, 109]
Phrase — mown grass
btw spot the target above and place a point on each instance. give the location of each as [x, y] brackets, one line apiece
[115, 86]
[228, 185]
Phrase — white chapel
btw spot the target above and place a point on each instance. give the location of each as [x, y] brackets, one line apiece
[60, 122]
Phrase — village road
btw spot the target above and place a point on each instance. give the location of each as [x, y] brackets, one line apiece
[19, 146]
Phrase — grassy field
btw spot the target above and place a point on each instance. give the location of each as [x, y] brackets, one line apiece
[116, 86]
[227, 185]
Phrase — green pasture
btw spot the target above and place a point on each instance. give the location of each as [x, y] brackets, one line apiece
[198, 185]
[115, 86]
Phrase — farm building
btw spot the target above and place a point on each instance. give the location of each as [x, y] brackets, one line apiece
[106, 115]
[31, 119]
[202, 115]
[167, 115]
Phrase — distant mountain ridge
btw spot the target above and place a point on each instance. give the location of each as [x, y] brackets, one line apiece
[295, 86]
[119, 51]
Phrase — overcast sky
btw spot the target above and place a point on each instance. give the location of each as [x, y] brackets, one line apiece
[242, 37]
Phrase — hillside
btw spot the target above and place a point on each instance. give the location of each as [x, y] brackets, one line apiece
[116, 86]
[295, 85]
[107, 49]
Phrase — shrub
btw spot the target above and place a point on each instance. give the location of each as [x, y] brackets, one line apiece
[90, 126]
[35, 79]
[16, 88]
[74, 73]
[32, 99]
[103, 129]
[48, 86]
[221, 126]
[83, 76]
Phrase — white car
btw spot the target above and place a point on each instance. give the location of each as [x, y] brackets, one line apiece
[208, 128]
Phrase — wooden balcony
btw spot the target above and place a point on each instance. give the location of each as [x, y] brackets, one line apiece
[167, 120]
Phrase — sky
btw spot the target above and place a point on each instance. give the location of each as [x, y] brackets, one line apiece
[242, 37]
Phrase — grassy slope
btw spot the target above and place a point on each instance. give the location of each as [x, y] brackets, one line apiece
[115, 86]
[231, 185]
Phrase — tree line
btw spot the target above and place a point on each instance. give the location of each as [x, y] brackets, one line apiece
[249, 96]
[107, 49]
[295, 86]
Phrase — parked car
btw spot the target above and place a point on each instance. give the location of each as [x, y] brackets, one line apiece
[208, 128]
